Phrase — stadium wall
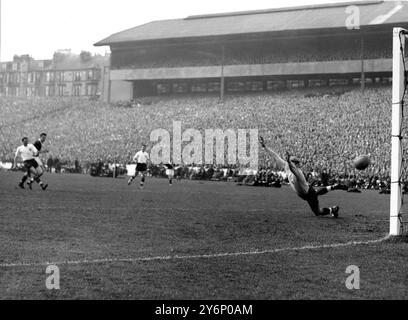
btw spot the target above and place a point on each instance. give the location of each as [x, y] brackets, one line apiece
[121, 90]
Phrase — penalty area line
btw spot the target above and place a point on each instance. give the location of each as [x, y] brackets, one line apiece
[194, 256]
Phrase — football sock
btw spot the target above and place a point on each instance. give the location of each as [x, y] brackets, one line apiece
[38, 180]
[24, 178]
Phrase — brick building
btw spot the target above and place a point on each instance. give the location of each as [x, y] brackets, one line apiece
[25, 77]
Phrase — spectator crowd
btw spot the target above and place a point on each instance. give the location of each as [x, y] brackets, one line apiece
[327, 131]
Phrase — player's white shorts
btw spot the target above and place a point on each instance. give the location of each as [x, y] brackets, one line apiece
[39, 161]
[170, 172]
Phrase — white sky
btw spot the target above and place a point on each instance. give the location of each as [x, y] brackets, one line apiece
[40, 27]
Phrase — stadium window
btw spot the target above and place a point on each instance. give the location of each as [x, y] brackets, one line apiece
[293, 84]
[199, 87]
[214, 87]
[254, 86]
[180, 87]
[340, 82]
[315, 83]
[163, 88]
[275, 85]
[235, 86]
[386, 80]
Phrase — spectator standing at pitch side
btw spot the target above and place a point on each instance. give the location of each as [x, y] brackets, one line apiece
[50, 163]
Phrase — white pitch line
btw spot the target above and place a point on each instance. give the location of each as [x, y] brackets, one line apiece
[147, 208]
[187, 257]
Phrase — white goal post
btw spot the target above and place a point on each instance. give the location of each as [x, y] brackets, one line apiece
[398, 88]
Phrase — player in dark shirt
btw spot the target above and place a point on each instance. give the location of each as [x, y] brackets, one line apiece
[40, 169]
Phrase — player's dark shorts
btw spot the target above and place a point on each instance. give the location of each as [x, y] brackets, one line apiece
[312, 199]
[30, 163]
[141, 167]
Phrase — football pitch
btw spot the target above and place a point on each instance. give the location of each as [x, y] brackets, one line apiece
[194, 240]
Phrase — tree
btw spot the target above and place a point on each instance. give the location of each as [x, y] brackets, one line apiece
[23, 57]
[59, 56]
[85, 56]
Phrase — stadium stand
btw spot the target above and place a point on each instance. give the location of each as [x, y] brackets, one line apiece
[327, 49]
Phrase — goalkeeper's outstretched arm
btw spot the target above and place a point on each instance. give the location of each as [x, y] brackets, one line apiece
[279, 161]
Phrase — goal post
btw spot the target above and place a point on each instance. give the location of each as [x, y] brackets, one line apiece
[398, 88]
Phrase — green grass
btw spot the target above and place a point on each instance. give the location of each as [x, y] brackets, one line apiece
[80, 217]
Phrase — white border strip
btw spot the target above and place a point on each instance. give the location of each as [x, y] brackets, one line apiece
[188, 257]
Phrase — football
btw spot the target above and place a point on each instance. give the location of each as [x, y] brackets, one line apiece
[361, 162]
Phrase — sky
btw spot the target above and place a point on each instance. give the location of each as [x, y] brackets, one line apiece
[40, 27]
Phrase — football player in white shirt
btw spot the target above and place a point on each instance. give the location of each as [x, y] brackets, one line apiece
[28, 152]
[141, 158]
[299, 184]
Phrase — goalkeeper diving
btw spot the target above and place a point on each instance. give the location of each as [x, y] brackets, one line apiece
[292, 167]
